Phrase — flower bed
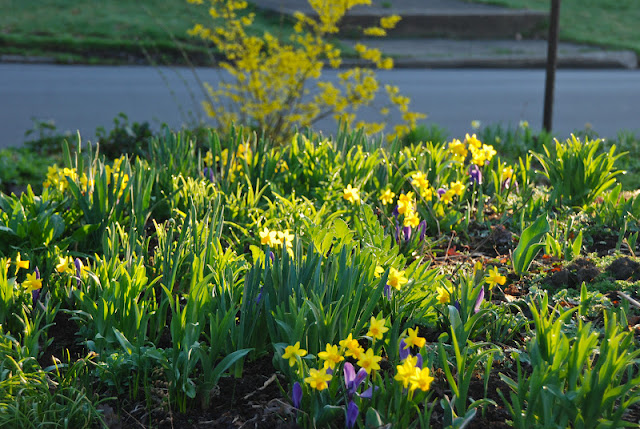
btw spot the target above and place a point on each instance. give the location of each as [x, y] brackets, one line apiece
[323, 283]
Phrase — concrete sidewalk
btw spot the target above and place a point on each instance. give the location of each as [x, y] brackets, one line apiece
[456, 34]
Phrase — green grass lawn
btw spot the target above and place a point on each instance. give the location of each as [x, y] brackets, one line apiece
[106, 31]
[612, 23]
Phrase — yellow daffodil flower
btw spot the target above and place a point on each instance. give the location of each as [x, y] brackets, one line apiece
[377, 328]
[419, 180]
[351, 347]
[443, 295]
[405, 202]
[351, 194]
[63, 265]
[405, 372]
[268, 237]
[457, 187]
[331, 356]
[411, 219]
[21, 264]
[413, 339]
[458, 149]
[495, 278]
[507, 173]
[378, 272]
[447, 197]
[32, 282]
[421, 379]
[396, 278]
[208, 159]
[318, 378]
[285, 238]
[292, 353]
[472, 141]
[387, 197]
[369, 361]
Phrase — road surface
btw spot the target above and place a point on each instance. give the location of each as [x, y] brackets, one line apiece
[86, 97]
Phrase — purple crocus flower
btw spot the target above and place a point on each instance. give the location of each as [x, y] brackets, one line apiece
[479, 300]
[441, 192]
[259, 297]
[395, 213]
[352, 414]
[208, 172]
[476, 174]
[419, 363]
[78, 264]
[406, 231]
[387, 292]
[296, 394]
[404, 351]
[507, 183]
[352, 380]
[423, 229]
[457, 305]
[35, 294]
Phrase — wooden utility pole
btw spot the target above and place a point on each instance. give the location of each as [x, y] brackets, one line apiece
[552, 62]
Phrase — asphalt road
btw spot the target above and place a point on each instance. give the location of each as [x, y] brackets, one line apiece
[86, 97]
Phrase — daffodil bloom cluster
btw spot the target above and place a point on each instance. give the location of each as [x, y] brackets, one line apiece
[269, 75]
[411, 373]
[33, 281]
[57, 178]
[480, 153]
[277, 239]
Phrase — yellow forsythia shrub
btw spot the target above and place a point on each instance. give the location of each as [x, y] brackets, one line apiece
[276, 84]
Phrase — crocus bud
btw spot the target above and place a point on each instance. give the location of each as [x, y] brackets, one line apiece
[296, 395]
